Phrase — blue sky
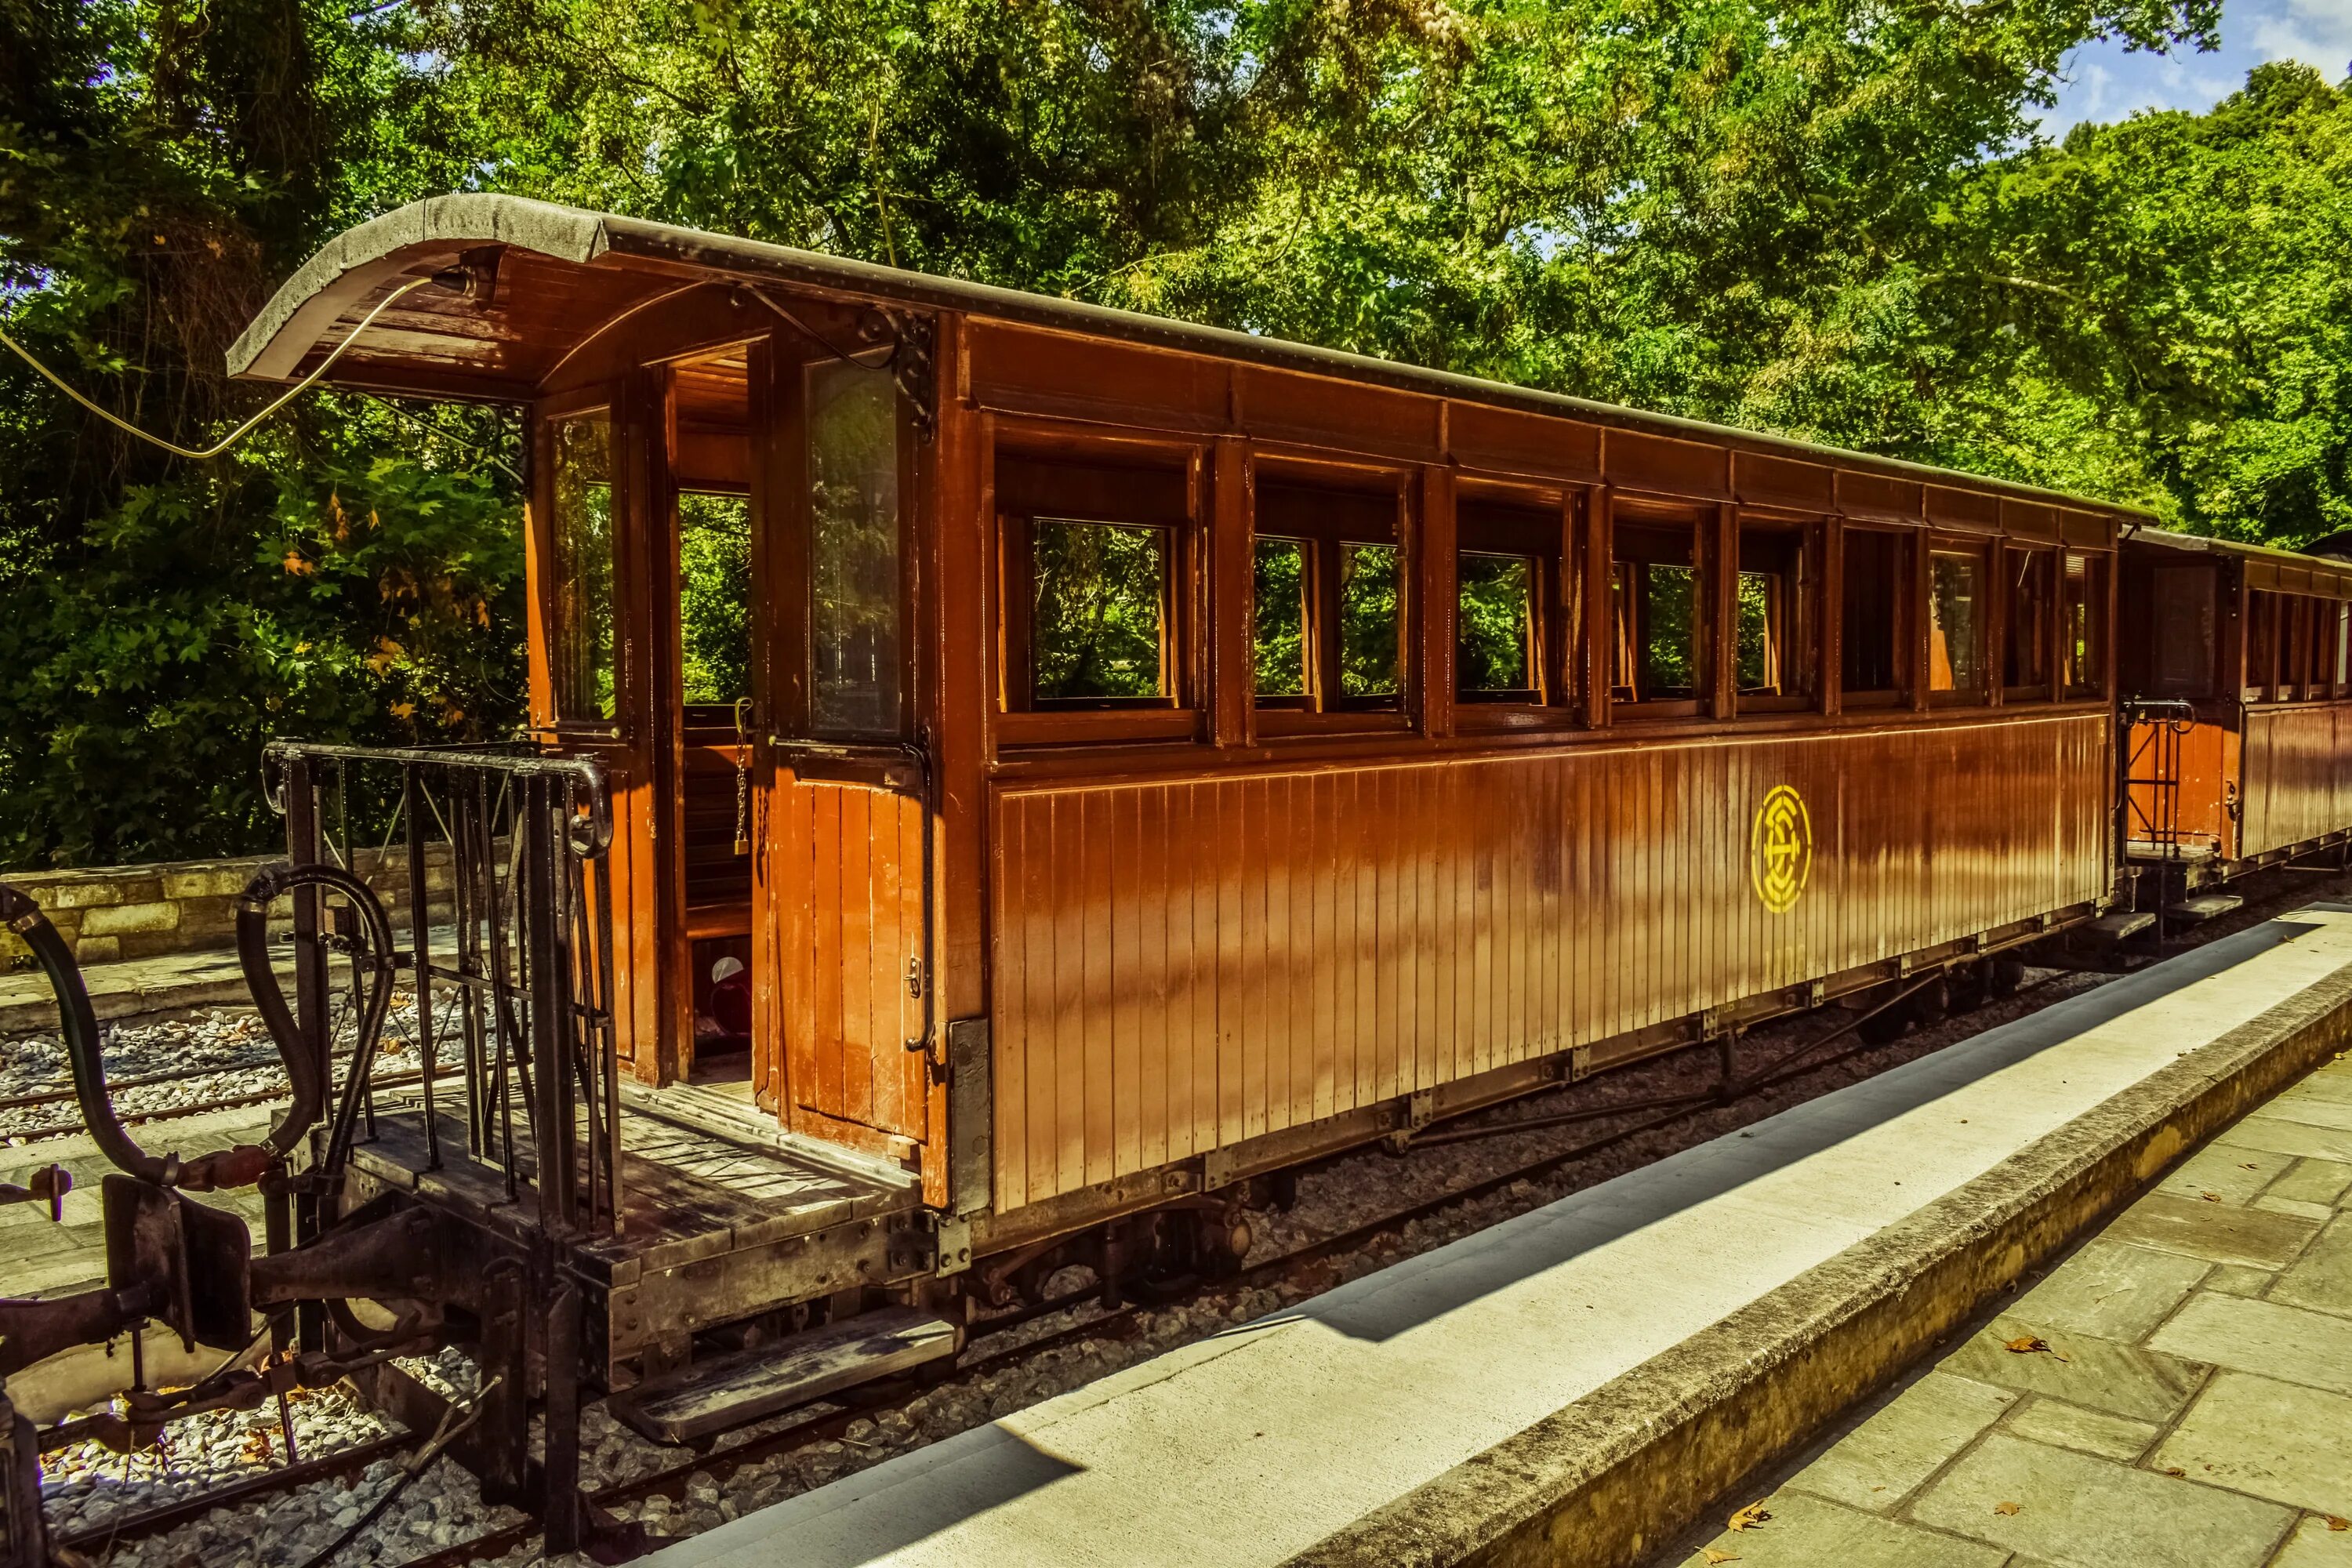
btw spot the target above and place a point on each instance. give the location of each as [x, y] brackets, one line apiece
[2105, 83]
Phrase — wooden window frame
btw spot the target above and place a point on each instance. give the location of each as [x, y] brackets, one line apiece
[1980, 550]
[2053, 556]
[2262, 615]
[610, 398]
[1903, 638]
[1017, 717]
[2103, 565]
[1545, 527]
[1319, 711]
[1630, 514]
[1813, 535]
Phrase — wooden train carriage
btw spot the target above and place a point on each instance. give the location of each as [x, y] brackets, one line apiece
[1126, 756]
[2245, 654]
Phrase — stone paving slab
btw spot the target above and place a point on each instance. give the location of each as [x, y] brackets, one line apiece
[2180, 1391]
[132, 987]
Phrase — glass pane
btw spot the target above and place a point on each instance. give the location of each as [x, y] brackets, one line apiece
[854, 646]
[1369, 608]
[1670, 633]
[714, 595]
[1098, 628]
[1873, 594]
[580, 651]
[1278, 638]
[1495, 624]
[1761, 639]
[2027, 660]
[1955, 622]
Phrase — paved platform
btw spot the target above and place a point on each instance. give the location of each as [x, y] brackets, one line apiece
[133, 987]
[1572, 1385]
[2176, 1394]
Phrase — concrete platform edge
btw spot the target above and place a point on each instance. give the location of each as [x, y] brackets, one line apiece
[1606, 1481]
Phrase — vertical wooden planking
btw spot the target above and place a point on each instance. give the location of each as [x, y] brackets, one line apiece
[1156, 978]
[1329, 956]
[826, 947]
[1095, 896]
[1069, 1077]
[1011, 1018]
[1233, 978]
[1127, 903]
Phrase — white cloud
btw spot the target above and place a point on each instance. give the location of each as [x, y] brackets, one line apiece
[2318, 32]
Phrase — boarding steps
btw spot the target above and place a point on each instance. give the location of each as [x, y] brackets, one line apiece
[730, 1391]
[2203, 907]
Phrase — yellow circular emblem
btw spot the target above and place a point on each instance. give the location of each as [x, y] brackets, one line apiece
[1780, 849]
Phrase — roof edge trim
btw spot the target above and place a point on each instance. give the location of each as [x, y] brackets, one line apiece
[353, 263]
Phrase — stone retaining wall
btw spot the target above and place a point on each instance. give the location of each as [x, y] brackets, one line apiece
[112, 912]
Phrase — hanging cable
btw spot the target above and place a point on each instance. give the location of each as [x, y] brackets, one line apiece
[233, 437]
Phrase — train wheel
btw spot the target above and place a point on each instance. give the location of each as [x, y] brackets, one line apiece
[1887, 1025]
[2005, 975]
[1968, 988]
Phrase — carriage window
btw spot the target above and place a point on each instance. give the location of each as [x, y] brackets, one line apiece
[1508, 593]
[1872, 629]
[2342, 656]
[1278, 640]
[1774, 640]
[2181, 625]
[853, 642]
[1100, 617]
[1495, 652]
[1660, 620]
[1370, 609]
[1090, 555]
[2030, 577]
[714, 595]
[1329, 621]
[580, 643]
[2083, 624]
[1955, 621]
[2296, 643]
[2261, 642]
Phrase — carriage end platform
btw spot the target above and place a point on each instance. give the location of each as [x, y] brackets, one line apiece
[1574, 1384]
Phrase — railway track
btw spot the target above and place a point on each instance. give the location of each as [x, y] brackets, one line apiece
[1309, 1269]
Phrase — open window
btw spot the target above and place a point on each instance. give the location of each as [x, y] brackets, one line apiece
[2082, 623]
[1661, 631]
[1329, 601]
[1091, 552]
[2030, 579]
[1776, 644]
[583, 677]
[1874, 625]
[1511, 590]
[1956, 602]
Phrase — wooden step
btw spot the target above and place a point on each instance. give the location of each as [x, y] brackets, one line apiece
[2204, 907]
[729, 1390]
[2122, 924]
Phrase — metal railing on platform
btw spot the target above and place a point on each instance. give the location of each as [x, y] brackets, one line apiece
[526, 938]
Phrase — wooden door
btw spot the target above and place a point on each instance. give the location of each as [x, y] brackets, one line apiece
[842, 796]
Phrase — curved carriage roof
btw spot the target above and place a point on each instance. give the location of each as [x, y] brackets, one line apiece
[2328, 574]
[564, 273]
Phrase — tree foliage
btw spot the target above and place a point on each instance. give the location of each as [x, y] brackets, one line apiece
[1825, 217]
